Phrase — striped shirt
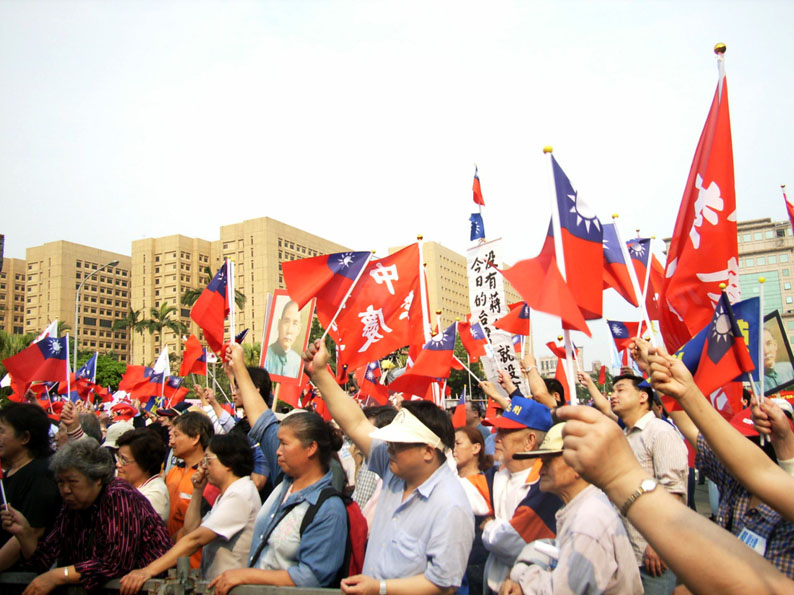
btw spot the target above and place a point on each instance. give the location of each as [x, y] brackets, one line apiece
[736, 515]
[662, 453]
[118, 533]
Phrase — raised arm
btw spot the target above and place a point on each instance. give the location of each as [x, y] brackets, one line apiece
[343, 409]
[536, 385]
[597, 449]
[253, 403]
[599, 400]
[743, 459]
[770, 420]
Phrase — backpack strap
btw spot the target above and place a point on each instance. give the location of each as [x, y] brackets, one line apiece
[311, 512]
[266, 537]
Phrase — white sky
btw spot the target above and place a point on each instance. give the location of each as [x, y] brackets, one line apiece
[361, 121]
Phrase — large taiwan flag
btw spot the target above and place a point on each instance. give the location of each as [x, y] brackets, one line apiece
[435, 359]
[616, 271]
[703, 251]
[44, 360]
[328, 277]
[582, 245]
[623, 332]
[516, 321]
[210, 310]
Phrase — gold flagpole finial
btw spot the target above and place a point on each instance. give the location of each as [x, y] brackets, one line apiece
[720, 48]
[548, 149]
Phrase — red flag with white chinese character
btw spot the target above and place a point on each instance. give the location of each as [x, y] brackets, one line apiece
[703, 251]
[382, 314]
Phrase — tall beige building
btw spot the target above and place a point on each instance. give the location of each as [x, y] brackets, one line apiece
[163, 269]
[12, 295]
[54, 272]
[258, 247]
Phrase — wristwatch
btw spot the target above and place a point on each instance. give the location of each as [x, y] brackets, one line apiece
[382, 589]
[647, 485]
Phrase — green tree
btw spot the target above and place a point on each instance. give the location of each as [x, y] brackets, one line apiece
[132, 322]
[460, 378]
[109, 369]
[161, 319]
[63, 328]
[191, 296]
[251, 353]
[317, 332]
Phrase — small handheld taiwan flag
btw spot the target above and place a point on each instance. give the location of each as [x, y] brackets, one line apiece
[211, 309]
[478, 199]
[477, 227]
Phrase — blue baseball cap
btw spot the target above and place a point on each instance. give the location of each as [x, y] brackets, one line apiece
[522, 413]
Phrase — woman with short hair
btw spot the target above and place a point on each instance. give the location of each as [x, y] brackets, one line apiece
[225, 532]
[139, 461]
[104, 529]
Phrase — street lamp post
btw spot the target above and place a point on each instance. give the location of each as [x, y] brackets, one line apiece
[112, 263]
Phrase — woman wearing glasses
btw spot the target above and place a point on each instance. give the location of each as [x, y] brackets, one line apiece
[139, 460]
[225, 532]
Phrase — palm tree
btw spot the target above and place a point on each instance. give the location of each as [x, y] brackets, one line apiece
[191, 296]
[161, 320]
[251, 353]
[63, 328]
[131, 321]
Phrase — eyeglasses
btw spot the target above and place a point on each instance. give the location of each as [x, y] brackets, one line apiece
[207, 458]
[398, 447]
[124, 461]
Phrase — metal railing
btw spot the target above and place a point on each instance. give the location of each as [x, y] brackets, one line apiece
[180, 581]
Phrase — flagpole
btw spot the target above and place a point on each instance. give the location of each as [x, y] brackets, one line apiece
[465, 367]
[68, 371]
[560, 258]
[761, 379]
[468, 361]
[425, 306]
[230, 296]
[635, 285]
[347, 295]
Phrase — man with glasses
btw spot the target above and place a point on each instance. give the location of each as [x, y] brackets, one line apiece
[522, 513]
[423, 528]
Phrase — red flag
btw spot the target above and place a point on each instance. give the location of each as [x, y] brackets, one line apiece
[703, 251]
[211, 309]
[490, 410]
[382, 314]
[367, 378]
[539, 283]
[328, 277]
[133, 376]
[473, 338]
[476, 188]
[459, 416]
[623, 332]
[559, 373]
[194, 358]
[44, 360]
[789, 206]
[616, 272]
[582, 246]
[556, 349]
[516, 321]
[412, 384]
[725, 355]
[602, 375]
[654, 289]
[435, 359]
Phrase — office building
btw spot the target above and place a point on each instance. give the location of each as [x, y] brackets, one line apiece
[12, 295]
[55, 270]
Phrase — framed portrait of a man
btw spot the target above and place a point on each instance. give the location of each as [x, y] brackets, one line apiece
[286, 336]
[778, 361]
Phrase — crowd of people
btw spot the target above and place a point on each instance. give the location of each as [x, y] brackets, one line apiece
[538, 496]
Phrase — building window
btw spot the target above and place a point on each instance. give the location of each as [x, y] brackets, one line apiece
[769, 234]
[761, 261]
[786, 286]
[781, 232]
[783, 258]
[758, 235]
[789, 299]
[772, 259]
[749, 262]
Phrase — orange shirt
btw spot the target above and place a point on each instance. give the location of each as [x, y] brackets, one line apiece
[180, 490]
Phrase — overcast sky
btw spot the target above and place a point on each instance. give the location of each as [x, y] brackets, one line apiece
[362, 121]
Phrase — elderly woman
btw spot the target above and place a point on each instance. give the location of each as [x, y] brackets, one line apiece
[139, 460]
[104, 529]
[225, 532]
[29, 484]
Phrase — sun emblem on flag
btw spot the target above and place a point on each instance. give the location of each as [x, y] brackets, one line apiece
[637, 249]
[439, 338]
[617, 330]
[584, 215]
[722, 327]
[345, 259]
[55, 346]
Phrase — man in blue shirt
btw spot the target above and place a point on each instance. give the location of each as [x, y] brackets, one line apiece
[422, 532]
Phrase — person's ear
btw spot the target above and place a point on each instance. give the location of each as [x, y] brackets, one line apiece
[477, 447]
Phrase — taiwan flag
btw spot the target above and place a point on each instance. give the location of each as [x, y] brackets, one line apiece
[150, 386]
[789, 206]
[328, 277]
[459, 416]
[367, 378]
[623, 332]
[132, 377]
[703, 252]
[45, 360]
[88, 370]
[516, 321]
[616, 271]
[518, 343]
[477, 231]
[557, 350]
[437, 356]
[478, 199]
[212, 307]
[582, 242]
[725, 355]
[174, 391]
[474, 340]
[194, 358]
